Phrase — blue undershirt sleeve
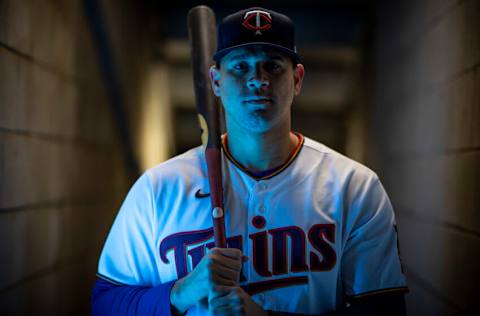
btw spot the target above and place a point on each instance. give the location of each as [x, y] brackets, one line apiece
[109, 299]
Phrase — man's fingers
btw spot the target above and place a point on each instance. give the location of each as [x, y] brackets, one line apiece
[225, 299]
[233, 253]
[228, 311]
[234, 264]
[227, 273]
[220, 290]
[221, 296]
[225, 281]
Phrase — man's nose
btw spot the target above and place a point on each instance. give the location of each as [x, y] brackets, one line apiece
[258, 79]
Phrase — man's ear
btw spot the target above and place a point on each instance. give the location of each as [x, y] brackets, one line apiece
[215, 80]
[298, 74]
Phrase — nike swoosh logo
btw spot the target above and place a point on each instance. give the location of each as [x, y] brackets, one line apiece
[200, 195]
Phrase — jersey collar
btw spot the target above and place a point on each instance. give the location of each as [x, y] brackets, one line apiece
[267, 174]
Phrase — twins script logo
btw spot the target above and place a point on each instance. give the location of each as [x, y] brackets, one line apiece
[257, 20]
[284, 260]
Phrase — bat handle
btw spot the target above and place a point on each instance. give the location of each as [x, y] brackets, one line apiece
[212, 156]
[219, 231]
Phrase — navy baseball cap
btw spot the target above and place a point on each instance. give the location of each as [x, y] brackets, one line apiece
[256, 26]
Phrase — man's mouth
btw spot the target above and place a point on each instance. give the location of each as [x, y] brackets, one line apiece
[259, 101]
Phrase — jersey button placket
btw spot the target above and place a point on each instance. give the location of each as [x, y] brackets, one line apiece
[250, 214]
[261, 209]
[256, 207]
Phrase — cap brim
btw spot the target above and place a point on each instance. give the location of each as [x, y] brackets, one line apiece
[292, 54]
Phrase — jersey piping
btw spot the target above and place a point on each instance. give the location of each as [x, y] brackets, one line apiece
[380, 291]
[110, 280]
[276, 170]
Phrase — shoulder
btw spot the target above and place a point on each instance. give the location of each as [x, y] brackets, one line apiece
[327, 161]
[189, 165]
[169, 181]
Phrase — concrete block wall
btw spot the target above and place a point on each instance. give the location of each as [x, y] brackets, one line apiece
[426, 127]
[62, 176]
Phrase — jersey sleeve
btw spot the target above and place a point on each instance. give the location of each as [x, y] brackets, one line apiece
[128, 256]
[370, 261]
[114, 300]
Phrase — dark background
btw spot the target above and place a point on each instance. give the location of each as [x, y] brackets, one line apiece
[92, 93]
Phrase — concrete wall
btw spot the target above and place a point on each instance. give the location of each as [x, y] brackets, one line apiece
[426, 124]
[62, 175]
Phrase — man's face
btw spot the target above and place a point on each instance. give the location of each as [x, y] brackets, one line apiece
[257, 86]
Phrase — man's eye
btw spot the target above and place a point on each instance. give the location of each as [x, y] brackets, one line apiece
[272, 67]
[240, 66]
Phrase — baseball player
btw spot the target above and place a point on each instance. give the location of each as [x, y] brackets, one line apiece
[309, 231]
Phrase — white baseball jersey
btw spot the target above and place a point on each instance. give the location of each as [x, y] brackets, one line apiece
[317, 230]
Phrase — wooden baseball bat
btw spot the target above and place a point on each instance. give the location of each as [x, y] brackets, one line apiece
[202, 35]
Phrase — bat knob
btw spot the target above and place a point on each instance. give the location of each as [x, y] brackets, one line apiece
[217, 212]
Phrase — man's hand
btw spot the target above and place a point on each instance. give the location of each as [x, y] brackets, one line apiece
[219, 267]
[233, 301]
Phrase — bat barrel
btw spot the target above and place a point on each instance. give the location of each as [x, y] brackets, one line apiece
[202, 34]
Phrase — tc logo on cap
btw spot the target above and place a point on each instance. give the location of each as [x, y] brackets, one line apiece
[257, 20]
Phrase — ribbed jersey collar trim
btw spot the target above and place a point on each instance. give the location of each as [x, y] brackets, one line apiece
[268, 173]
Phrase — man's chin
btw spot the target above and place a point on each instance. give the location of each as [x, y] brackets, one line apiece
[259, 124]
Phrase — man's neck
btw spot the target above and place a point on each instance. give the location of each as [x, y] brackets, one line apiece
[262, 151]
